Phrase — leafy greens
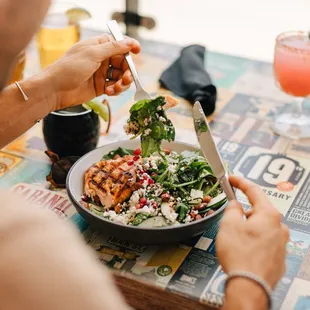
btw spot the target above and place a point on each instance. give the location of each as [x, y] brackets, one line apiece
[191, 172]
[120, 151]
[148, 120]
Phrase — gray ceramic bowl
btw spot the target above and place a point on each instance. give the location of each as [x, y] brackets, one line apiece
[134, 234]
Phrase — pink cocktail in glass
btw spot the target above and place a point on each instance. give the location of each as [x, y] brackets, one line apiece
[292, 72]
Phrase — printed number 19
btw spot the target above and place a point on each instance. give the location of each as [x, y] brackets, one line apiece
[272, 171]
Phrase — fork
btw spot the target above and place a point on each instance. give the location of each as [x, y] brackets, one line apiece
[141, 93]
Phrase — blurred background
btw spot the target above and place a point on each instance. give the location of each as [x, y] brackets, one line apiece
[240, 27]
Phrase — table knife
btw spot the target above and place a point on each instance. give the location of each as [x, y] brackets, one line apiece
[210, 151]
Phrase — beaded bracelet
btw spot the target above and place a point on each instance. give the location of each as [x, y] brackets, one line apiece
[255, 278]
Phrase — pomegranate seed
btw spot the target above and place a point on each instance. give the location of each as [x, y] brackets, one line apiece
[153, 174]
[193, 215]
[210, 212]
[137, 152]
[145, 177]
[136, 157]
[198, 217]
[130, 163]
[165, 197]
[155, 205]
[206, 199]
[150, 181]
[201, 206]
[138, 206]
[143, 201]
[85, 198]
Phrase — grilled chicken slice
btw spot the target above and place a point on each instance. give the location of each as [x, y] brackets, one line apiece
[111, 181]
[171, 102]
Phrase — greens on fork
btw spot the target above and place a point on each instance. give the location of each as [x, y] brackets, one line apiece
[149, 120]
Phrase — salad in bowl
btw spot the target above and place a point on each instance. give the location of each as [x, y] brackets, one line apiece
[150, 190]
[153, 191]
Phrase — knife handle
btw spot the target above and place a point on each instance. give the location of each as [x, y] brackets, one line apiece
[228, 189]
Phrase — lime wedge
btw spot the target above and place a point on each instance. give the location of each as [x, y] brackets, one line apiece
[76, 15]
[99, 108]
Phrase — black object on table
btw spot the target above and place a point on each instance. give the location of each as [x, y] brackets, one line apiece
[187, 78]
[72, 132]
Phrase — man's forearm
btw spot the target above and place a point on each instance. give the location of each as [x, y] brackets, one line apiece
[18, 115]
[243, 294]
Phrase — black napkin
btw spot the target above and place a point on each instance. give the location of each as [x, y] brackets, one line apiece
[187, 78]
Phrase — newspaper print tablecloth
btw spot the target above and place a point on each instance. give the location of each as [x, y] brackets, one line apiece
[248, 100]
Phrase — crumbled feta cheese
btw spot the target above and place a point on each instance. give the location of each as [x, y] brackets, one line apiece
[158, 189]
[139, 167]
[147, 131]
[188, 218]
[196, 193]
[145, 209]
[147, 120]
[118, 218]
[153, 164]
[159, 108]
[162, 119]
[172, 168]
[134, 199]
[156, 157]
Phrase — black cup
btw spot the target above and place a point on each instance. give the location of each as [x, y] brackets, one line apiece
[71, 132]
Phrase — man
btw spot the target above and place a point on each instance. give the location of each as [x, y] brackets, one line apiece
[44, 263]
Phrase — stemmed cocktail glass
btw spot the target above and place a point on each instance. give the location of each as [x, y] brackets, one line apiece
[292, 73]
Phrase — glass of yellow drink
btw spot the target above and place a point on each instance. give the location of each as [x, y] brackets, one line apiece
[59, 31]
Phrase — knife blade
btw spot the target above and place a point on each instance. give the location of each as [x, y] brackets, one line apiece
[210, 151]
